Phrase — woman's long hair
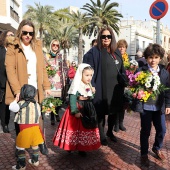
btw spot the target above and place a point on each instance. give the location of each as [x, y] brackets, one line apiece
[3, 37]
[19, 31]
[112, 45]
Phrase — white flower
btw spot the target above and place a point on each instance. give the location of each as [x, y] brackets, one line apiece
[134, 62]
[149, 79]
[155, 87]
[157, 82]
[156, 77]
[147, 84]
[51, 105]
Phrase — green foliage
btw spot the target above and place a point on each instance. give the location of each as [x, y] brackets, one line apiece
[102, 14]
[49, 104]
[51, 71]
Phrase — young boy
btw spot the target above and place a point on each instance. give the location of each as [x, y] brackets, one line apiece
[154, 110]
[28, 114]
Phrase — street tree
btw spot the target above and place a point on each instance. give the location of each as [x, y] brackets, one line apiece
[80, 22]
[103, 14]
[67, 35]
[42, 16]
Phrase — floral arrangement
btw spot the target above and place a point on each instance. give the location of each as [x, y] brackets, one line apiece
[126, 62]
[144, 85]
[51, 70]
[49, 104]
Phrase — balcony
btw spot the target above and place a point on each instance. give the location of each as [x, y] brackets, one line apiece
[14, 15]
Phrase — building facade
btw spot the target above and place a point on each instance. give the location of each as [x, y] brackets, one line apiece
[10, 14]
[139, 34]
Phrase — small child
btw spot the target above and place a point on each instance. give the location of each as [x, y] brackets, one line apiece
[154, 110]
[71, 134]
[28, 114]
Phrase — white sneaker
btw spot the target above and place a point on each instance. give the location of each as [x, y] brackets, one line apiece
[33, 163]
[22, 168]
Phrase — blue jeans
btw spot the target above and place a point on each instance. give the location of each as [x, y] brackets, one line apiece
[158, 119]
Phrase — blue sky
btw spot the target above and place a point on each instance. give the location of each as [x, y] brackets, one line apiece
[139, 9]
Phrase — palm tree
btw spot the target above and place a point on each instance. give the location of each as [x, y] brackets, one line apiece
[103, 14]
[67, 35]
[41, 15]
[79, 21]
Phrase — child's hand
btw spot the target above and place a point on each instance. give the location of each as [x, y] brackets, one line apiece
[167, 111]
[78, 115]
[93, 90]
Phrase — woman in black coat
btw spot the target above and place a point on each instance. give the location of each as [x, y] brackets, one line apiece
[5, 37]
[108, 65]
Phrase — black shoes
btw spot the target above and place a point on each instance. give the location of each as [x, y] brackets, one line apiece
[144, 160]
[121, 127]
[5, 129]
[43, 148]
[112, 137]
[104, 142]
[116, 128]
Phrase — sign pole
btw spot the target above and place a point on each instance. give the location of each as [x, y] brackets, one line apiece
[158, 32]
[157, 10]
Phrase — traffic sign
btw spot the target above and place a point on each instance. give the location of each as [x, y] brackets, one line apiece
[158, 9]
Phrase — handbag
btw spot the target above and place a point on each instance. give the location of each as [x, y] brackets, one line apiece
[1, 95]
[89, 119]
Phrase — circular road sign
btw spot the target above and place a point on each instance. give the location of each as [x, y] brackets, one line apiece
[158, 9]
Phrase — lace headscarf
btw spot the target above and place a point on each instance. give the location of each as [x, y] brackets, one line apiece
[75, 85]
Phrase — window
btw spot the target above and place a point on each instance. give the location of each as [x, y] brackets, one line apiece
[14, 8]
[143, 45]
[137, 45]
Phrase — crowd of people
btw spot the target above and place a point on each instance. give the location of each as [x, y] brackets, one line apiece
[95, 89]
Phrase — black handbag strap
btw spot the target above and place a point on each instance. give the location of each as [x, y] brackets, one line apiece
[114, 58]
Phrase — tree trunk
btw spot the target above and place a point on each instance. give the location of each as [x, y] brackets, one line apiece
[80, 48]
[65, 54]
[41, 31]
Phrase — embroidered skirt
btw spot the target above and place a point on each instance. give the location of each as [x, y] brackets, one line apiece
[71, 135]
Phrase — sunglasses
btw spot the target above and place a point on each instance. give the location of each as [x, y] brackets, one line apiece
[55, 45]
[73, 63]
[26, 32]
[106, 36]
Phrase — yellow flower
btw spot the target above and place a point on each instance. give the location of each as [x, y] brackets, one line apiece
[147, 95]
[125, 58]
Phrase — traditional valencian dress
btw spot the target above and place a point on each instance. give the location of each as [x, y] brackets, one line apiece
[57, 81]
[70, 134]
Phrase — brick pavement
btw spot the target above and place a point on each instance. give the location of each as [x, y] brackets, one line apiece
[123, 155]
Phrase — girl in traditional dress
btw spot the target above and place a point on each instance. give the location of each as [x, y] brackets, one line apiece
[71, 135]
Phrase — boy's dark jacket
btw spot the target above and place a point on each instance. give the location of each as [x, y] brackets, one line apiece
[164, 97]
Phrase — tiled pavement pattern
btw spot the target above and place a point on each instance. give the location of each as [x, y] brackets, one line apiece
[123, 155]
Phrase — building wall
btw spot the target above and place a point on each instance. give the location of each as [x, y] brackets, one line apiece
[10, 14]
[3, 10]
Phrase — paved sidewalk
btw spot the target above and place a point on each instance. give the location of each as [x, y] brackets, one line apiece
[123, 155]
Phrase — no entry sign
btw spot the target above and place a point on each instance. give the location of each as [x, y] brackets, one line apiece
[158, 9]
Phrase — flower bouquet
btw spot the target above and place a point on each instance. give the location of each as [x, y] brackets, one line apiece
[49, 104]
[51, 70]
[144, 85]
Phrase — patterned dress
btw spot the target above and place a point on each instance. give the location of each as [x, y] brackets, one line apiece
[57, 82]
